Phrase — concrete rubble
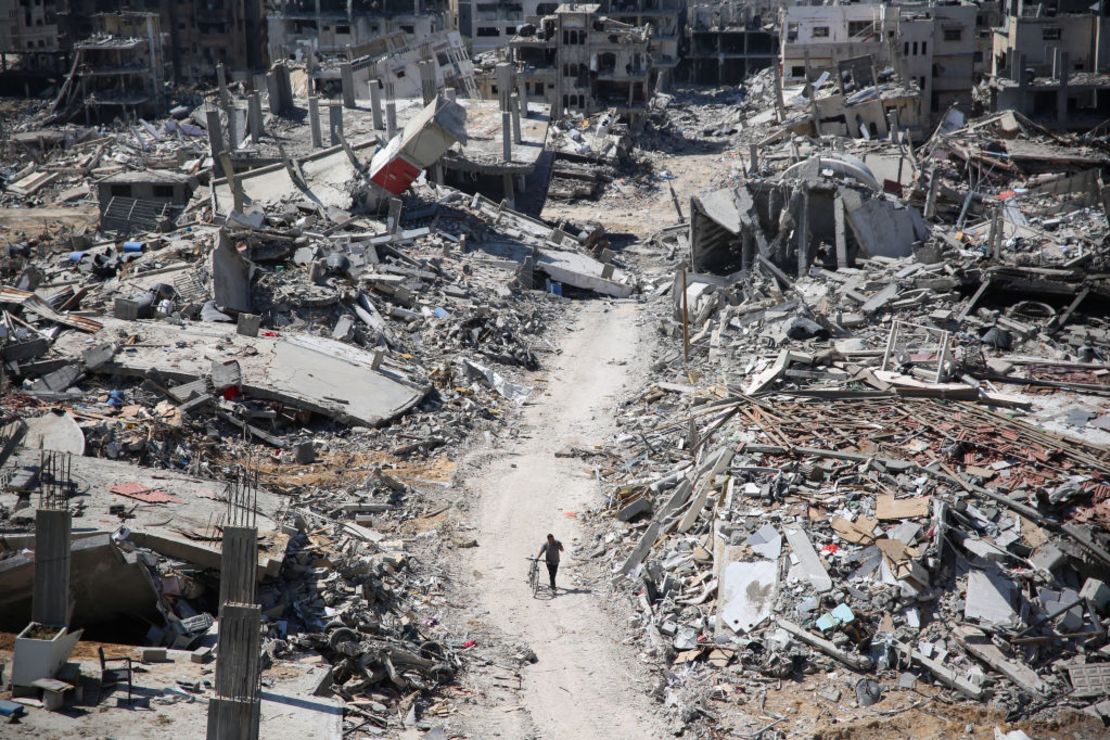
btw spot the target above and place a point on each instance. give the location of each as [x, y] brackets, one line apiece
[250, 325]
[243, 302]
[871, 443]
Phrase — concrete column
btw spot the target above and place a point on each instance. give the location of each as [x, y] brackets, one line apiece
[1054, 52]
[50, 599]
[747, 250]
[238, 565]
[237, 194]
[841, 234]
[514, 106]
[504, 73]
[335, 122]
[753, 152]
[215, 138]
[233, 718]
[427, 80]
[234, 130]
[237, 664]
[286, 85]
[376, 104]
[510, 194]
[1062, 95]
[390, 119]
[393, 219]
[314, 121]
[522, 94]
[780, 105]
[273, 89]
[221, 81]
[255, 115]
[802, 230]
[506, 140]
[347, 78]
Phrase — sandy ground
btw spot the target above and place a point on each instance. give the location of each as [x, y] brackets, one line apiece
[585, 683]
[623, 208]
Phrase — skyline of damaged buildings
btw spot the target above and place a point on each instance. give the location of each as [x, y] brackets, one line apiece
[981, 57]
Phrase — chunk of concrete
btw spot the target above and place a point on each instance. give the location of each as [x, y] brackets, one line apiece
[1096, 592]
[766, 542]
[990, 598]
[634, 509]
[809, 567]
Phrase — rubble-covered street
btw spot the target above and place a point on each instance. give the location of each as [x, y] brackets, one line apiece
[788, 323]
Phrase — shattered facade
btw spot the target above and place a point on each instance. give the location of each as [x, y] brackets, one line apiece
[1052, 69]
[933, 45]
[490, 25]
[120, 70]
[579, 60]
[302, 29]
[728, 41]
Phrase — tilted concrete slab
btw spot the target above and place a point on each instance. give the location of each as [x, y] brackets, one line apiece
[58, 432]
[327, 174]
[304, 371]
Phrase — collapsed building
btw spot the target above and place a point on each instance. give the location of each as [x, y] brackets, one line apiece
[801, 218]
[245, 344]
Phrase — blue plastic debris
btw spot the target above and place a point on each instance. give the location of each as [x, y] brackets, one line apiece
[842, 614]
[11, 709]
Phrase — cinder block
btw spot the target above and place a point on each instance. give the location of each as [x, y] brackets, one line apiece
[152, 655]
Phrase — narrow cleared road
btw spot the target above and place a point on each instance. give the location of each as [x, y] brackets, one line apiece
[584, 684]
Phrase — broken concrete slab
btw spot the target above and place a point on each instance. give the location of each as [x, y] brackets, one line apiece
[55, 431]
[809, 568]
[184, 530]
[978, 644]
[303, 371]
[990, 597]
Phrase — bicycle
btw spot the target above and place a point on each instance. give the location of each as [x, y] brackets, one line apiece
[534, 575]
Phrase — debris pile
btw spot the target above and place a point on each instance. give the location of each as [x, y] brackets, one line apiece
[874, 445]
[336, 324]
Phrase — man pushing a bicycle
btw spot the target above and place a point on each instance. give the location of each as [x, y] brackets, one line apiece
[550, 550]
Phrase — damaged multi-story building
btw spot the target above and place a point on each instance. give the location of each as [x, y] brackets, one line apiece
[1054, 67]
[197, 34]
[298, 29]
[490, 25]
[31, 55]
[120, 71]
[579, 60]
[727, 41]
[666, 20]
[932, 45]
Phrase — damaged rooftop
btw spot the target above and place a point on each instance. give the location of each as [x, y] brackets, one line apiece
[787, 322]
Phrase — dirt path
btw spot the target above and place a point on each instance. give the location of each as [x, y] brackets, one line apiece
[584, 684]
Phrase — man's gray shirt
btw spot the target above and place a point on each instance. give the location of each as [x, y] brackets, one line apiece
[551, 552]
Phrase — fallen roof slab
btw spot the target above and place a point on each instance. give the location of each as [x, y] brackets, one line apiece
[304, 371]
[185, 530]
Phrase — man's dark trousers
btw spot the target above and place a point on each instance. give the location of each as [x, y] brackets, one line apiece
[552, 569]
